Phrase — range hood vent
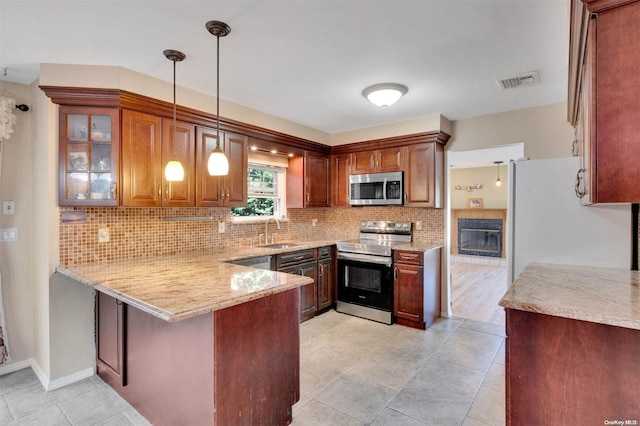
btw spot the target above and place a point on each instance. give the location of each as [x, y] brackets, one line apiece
[521, 80]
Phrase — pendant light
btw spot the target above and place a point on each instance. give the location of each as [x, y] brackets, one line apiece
[498, 181]
[173, 171]
[218, 164]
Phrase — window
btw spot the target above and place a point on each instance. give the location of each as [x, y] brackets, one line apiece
[265, 192]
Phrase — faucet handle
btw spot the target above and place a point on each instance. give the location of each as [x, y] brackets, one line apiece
[260, 237]
[273, 238]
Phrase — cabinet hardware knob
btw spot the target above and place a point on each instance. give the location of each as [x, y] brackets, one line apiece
[580, 189]
[227, 195]
[574, 148]
[114, 190]
[160, 192]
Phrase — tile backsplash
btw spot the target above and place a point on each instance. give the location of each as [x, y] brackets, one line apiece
[138, 232]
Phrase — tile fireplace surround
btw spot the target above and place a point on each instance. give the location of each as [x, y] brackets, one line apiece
[139, 232]
[476, 214]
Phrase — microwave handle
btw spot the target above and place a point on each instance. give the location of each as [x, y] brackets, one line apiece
[384, 189]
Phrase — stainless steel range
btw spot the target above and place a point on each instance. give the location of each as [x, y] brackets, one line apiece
[365, 270]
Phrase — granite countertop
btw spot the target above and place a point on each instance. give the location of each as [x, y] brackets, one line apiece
[183, 285]
[600, 295]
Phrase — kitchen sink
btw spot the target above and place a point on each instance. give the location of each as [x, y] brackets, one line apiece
[280, 245]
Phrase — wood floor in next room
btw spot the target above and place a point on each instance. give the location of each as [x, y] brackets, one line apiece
[476, 290]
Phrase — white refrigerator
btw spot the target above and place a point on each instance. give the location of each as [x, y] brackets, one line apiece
[546, 222]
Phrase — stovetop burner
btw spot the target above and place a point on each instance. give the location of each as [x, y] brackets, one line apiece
[378, 238]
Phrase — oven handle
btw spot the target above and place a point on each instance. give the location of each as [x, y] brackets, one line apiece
[379, 260]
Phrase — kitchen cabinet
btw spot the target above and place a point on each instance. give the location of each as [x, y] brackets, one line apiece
[326, 279]
[219, 191]
[424, 175]
[89, 146]
[308, 180]
[605, 86]
[111, 326]
[416, 287]
[147, 145]
[572, 371]
[340, 171]
[303, 262]
[377, 161]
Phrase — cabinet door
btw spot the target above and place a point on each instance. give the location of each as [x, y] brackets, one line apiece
[363, 162]
[326, 283]
[89, 145]
[110, 337]
[309, 292]
[179, 194]
[617, 37]
[408, 292]
[208, 188]
[236, 181]
[340, 171]
[316, 179]
[423, 176]
[141, 159]
[390, 160]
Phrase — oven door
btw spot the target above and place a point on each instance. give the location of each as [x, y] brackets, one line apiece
[365, 280]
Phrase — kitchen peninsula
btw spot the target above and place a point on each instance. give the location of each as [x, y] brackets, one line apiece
[190, 339]
[573, 338]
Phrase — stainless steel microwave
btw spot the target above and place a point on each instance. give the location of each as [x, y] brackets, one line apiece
[376, 189]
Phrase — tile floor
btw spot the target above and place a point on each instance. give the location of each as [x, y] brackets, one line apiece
[353, 372]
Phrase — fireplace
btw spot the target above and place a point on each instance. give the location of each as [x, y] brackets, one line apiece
[480, 237]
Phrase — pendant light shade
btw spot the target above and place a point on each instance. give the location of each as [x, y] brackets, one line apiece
[385, 94]
[498, 181]
[174, 171]
[218, 164]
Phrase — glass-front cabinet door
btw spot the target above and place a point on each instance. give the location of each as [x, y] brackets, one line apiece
[89, 156]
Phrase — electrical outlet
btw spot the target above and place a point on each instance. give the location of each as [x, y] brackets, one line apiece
[8, 207]
[103, 235]
[221, 227]
[418, 224]
[314, 222]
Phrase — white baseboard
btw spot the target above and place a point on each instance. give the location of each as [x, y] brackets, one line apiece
[50, 385]
[15, 366]
[71, 378]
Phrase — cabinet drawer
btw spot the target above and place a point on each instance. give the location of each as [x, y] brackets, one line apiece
[412, 257]
[324, 252]
[285, 259]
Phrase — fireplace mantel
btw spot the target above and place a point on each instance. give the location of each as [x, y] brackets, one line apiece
[476, 214]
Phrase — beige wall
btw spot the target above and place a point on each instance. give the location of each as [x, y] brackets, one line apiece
[493, 197]
[544, 131]
[15, 257]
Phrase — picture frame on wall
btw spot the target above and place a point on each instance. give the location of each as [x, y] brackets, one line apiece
[475, 203]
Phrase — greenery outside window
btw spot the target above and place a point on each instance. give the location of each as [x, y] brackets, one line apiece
[265, 192]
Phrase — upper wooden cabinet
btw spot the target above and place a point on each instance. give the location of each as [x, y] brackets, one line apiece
[89, 145]
[340, 170]
[147, 145]
[604, 87]
[424, 175]
[308, 181]
[218, 191]
[377, 161]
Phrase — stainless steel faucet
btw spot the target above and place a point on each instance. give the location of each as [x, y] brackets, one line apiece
[266, 229]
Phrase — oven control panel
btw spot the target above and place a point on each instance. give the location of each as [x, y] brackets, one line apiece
[385, 227]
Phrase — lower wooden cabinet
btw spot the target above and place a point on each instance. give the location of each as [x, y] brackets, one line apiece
[309, 292]
[416, 287]
[111, 326]
[326, 279]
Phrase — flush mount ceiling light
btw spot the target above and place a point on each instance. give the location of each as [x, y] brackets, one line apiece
[174, 172]
[218, 164]
[498, 181]
[385, 94]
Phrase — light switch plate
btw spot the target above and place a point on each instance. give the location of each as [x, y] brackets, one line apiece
[8, 207]
[103, 235]
[221, 227]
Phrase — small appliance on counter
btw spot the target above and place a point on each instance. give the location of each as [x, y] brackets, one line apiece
[365, 270]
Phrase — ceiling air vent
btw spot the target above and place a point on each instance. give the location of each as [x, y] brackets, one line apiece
[521, 80]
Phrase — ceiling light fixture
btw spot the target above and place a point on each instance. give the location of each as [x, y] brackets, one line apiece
[218, 164]
[498, 181]
[173, 171]
[385, 94]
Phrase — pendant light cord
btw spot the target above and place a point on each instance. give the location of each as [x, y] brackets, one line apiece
[174, 106]
[218, 92]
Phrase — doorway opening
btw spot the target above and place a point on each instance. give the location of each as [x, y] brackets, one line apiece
[477, 210]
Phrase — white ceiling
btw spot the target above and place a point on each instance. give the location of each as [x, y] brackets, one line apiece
[308, 61]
